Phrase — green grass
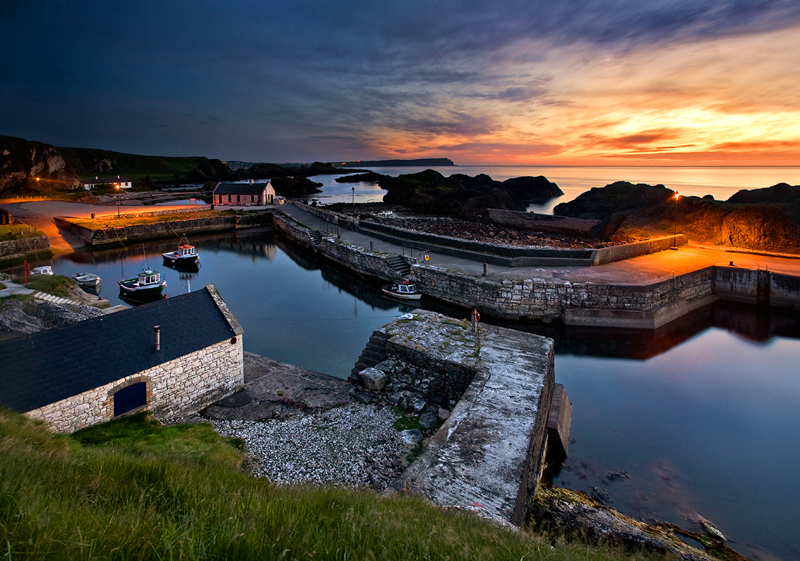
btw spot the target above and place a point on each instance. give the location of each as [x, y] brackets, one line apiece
[111, 221]
[51, 284]
[18, 231]
[131, 489]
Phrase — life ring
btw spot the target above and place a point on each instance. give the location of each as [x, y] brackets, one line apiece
[427, 257]
[477, 315]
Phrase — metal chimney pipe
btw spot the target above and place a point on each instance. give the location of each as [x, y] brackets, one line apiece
[157, 329]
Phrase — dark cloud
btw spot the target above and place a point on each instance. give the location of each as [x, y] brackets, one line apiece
[111, 74]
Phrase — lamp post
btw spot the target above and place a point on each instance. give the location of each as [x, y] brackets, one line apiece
[675, 236]
[117, 188]
[353, 189]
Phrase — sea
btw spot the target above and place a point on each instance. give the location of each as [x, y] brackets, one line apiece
[719, 182]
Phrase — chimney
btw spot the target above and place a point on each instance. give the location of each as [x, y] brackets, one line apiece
[157, 329]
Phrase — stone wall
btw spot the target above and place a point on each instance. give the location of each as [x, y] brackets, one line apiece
[542, 222]
[16, 249]
[179, 387]
[646, 306]
[630, 250]
[166, 212]
[164, 229]
[353, 257]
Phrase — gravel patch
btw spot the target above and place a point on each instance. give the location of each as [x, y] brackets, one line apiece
[351, 446]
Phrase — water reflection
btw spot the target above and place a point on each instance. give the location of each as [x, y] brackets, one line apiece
[704, 419]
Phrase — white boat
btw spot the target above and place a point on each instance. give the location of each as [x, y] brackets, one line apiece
[405, 290]
[146, 287]
[45, 270]
[87, 280]
[185, 256]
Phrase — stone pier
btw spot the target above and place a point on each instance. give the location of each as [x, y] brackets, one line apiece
[490, 452]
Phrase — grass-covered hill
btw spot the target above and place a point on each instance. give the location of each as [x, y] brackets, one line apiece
[132, 489]
[32, 168]
[88, 162]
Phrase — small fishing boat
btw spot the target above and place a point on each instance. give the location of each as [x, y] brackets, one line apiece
[87, 280]
[184, 257]
[44, 270]
[146, 287]
[405, 290]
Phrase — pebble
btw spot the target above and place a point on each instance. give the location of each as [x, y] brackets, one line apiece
[351, 446]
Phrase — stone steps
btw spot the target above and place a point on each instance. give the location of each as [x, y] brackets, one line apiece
[399, 264]
[316, 236]
[373, 353]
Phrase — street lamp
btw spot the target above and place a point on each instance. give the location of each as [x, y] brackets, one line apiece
[353, 189]
[117, 188]
[675, 237]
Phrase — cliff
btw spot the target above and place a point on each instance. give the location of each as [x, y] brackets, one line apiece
[763, 219]
[22, 161]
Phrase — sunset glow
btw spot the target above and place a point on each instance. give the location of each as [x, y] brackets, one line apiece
[657, 83]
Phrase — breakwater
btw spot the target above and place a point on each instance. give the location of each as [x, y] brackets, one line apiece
[154, 230]
[648, 305]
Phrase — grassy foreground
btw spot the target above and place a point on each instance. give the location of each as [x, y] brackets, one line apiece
[131, 489]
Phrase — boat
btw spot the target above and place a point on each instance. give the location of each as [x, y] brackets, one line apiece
[405, 290]
[86, 280]
[184, 257]
[146, 287]
[44, 270]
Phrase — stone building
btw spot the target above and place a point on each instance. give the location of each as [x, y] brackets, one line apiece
[115, 182]
[244, 194]
[172, 357]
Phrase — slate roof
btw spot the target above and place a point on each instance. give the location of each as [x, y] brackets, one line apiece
[52, 365]
[240, 188]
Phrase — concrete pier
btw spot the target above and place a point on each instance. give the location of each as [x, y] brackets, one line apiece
[489, 454]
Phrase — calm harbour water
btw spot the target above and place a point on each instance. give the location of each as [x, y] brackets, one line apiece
[699, 418]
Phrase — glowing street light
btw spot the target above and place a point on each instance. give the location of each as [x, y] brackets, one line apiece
[675, 237]
[116, 186]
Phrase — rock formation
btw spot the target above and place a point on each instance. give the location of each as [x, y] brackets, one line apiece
[21, 161]
[628, 212]
[460, 195]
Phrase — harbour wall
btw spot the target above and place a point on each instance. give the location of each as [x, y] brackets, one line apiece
[17, 249]
[101, 236]
[498, 254]
[645, 306]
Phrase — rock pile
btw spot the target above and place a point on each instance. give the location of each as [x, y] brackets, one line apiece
[427, 396]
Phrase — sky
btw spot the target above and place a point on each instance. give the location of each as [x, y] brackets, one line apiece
[536, 82]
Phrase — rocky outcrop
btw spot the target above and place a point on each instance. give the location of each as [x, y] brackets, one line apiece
[22, 161]
[295, 186]
[627, 212]
[461, 195]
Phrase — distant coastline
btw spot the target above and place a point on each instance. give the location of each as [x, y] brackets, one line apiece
[435, 162]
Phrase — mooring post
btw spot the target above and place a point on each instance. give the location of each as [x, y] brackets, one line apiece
[485, 269]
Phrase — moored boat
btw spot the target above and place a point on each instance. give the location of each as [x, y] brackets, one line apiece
[405, 290]
[87, 280]
[185, 256]
[146, 287]
[44, 270]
